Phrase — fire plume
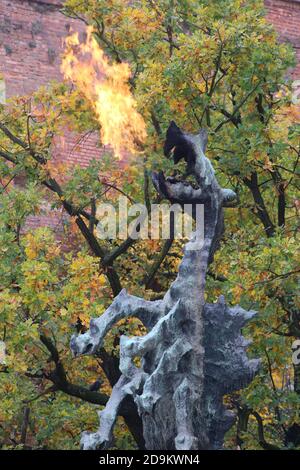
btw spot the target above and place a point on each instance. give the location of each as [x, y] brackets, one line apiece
[105, 85]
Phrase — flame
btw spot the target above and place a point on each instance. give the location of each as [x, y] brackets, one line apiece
[106, 86]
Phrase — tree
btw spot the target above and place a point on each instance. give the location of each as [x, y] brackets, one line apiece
[212, 64]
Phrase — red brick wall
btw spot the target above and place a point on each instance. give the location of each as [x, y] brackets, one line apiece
[31, 35]
[31, 43]
[285, 15]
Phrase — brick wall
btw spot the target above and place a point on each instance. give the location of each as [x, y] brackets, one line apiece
[31, 35]
[31, 43]
[285, 15]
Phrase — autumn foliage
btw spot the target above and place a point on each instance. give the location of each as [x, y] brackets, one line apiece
[213, 64]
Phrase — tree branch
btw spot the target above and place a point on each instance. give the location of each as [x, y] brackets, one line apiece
[59, 379]
[237, 108]
[25, 423]
[261, 436]
[158, 262]
[252, 184]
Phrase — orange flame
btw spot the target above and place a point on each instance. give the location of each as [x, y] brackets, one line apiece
[106, 86]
